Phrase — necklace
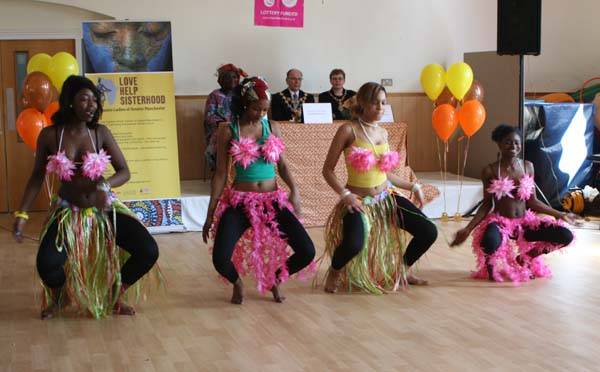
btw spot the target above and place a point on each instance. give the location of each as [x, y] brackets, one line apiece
[338, 100]
[362, 122]
[295, 106]
[511, 165]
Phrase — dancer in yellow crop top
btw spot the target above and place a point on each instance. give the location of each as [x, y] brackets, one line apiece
[362, 233]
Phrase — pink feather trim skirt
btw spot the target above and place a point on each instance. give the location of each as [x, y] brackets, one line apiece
[261, 250]
[503, 263]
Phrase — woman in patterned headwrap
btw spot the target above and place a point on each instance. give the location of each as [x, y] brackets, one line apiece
[218, 108]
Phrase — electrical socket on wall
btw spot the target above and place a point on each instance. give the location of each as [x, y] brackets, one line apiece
[387, 82]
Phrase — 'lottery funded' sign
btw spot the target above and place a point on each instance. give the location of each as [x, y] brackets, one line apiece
[279, 13]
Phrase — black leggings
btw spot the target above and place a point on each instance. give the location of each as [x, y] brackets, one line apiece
[411, 219]
[132, 236]
[234, 222]
[491, 240]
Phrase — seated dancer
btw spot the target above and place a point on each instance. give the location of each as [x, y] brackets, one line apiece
[362, 233]
[287, 104]
[218, 108]
[78, 259]
[254, 201]
[337, 95]
[509, 194]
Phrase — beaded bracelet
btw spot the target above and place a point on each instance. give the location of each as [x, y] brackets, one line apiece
[103, 186]
[21, 214]
[344, 193]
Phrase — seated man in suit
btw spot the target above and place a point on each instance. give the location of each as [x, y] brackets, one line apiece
[287, 104]
[337, 95]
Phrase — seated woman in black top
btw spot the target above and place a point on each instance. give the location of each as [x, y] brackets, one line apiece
[337, 95]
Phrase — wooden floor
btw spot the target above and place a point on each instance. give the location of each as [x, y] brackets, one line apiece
[454, 324]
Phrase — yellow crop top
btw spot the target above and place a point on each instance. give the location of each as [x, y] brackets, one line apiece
[361, 163]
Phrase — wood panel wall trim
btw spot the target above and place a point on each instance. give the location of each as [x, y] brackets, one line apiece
[414, 109]
[392, 94]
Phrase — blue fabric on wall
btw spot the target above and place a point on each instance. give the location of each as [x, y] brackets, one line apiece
[558, 139]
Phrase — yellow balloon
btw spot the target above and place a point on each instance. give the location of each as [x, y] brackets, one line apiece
[459, 79]
[62, 65]
[39, 62]
[433, 80]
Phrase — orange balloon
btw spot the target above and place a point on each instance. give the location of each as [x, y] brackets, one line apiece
[446, 97]
[50, 110]
[55, 93]
[476, 92]
[471, 117]
[29, 125]
[445, 121]
[37, 91]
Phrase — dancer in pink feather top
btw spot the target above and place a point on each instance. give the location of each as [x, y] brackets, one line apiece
[254, 202]
[79, 260]
[509, 194]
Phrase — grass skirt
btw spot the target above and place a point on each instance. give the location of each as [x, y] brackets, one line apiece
[92, 269]
[379, 267]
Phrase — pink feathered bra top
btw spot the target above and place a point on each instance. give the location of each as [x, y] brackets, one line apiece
[502, 187]
[367, 164]
[92, 166]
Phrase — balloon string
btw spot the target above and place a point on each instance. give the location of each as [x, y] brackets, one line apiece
[462, 174]
[458, 175]
[437, 142]
[445, 173]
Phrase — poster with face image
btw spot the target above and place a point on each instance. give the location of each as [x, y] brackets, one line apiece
[127, 47]
[131, 64]
[279, 13]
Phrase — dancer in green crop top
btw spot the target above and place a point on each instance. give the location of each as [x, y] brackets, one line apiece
[254, 200]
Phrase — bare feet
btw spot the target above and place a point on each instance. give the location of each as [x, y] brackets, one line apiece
[277, 296]
[333, 280]
[237, 297]
[48, 312]
[490, 270]
[59, 300]
[413, 280]
[122, 308]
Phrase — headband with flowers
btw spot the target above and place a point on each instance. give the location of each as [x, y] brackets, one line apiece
[255, 88]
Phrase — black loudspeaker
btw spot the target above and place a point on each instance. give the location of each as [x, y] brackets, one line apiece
[519, 26]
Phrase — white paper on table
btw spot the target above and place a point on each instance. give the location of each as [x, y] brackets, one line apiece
[388, 115]
[317, 113]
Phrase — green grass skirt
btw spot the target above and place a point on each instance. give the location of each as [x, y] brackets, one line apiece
[379, 267]
[92, 269]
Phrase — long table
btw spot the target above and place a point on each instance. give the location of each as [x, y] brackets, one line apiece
[306, 149]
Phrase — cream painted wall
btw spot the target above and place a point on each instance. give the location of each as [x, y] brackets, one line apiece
[391, 40]
[19, 18]
[369, 39]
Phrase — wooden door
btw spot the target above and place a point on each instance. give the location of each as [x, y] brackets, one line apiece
[16, 159]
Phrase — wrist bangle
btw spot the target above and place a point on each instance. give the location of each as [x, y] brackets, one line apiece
[103, 186]
[415, 188]
[344, 193]
[21, 214]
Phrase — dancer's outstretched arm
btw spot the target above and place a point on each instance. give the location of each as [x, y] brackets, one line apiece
[342, 139]
[461, 235]
[219, 180]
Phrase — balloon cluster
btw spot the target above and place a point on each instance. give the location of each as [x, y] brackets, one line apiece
[446, 89]
[45, 77]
